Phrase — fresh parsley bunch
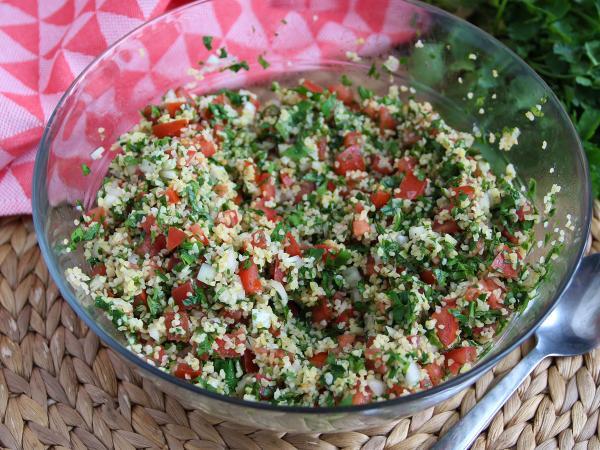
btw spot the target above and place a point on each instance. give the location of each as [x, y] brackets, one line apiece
[561, 41]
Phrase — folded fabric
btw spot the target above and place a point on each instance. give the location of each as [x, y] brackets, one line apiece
[46, 44]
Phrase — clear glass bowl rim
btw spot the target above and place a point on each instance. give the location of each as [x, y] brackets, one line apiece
[471, 375]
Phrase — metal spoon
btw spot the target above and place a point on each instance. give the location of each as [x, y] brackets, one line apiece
[573, 328]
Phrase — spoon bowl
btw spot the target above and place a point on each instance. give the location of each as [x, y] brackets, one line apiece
[573, 328]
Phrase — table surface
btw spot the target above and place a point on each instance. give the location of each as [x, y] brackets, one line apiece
[61, 388]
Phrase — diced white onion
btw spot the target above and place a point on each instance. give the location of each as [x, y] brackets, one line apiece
[230, 262]
[401, 239]
[412, 374]
[280, 290]
[352, 276]
[376, 386]
[207, 273]
[97, 154]
[168, 174]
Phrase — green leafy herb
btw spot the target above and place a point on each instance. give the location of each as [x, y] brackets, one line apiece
[207, 40]
[85, 169]
[236, 67]
[223, 53]
[403, 308]
[263, 62]
[296, 152]
[228, 366]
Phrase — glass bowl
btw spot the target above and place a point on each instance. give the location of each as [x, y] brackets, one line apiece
[475, 82]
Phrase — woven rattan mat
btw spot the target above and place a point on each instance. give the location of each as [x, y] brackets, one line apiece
[60, 387]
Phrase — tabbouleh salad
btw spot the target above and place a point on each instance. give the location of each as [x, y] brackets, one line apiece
[329, 247]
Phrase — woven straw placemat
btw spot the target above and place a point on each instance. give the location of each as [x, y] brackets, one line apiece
[60, 387]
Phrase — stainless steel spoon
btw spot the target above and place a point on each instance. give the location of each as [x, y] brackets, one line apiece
[573, 328]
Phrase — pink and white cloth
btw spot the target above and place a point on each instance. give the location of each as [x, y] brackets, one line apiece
[46, 43]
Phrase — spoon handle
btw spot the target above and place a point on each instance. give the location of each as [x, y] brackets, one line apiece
[463, 433]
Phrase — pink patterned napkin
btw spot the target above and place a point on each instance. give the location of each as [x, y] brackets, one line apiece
[46, 43]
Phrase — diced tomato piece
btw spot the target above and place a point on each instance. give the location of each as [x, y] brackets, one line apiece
[448, 227]
[207, 147]
[150, 247]
[172, 195]
[508, 235]
[322, 311]
[97, 214]
[380, 198]
[277, 274]
[362, 398]
[411, 187]
[386, 120]
[348, 160]
[358, 208]
[172, 262]
[360, 227]
[428, 276]
[146, 225]
[185, 371]
[196, 230]
[330, 186]
[173, 107]
[183, 323]
[523, 211]
[228, 218]
[370, 266]
[224, 345]
[248, 273]
[286, 179]
[312, 87]
[173, 128]
[343, 93]
[322, 148]
[141, 299]
[236, 315]
[160, 243]
[270, 213]
[319, 359]
[238, 199]
[259, 239]
[503, 265]
[98, 269]
[382, 165]
[472, 293]
[248, 361]
[181, 292]
[346, 340]
[306, 187]
[435, 373]
[353, 138]
[291, 246]
[397, 390]
[266, 186]
[446, 326]
[344, 318]
[469, 191]
[374, 359]
[493, 288]
[175, 238]
[458, 357]
[407, 164]
[158, 356]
